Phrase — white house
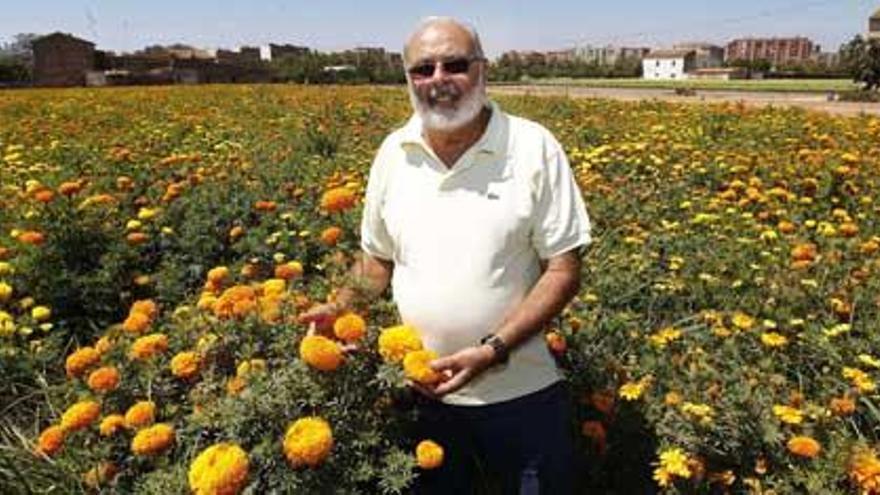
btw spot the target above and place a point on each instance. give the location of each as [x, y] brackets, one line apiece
[668, 64]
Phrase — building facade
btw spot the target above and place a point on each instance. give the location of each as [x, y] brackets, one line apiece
[608, 54]
[777, 51]
[62, 60]
[874, 25]
[707, 55]
[668, 64]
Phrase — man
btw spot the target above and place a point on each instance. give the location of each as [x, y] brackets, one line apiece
[473, 217]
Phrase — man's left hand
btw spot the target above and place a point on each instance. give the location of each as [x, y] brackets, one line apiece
[460, 368]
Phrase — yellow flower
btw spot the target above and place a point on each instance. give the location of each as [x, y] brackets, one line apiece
[148, 346]
[703, 412]
[185, 365]
[395, 342]
[141, 414]
[864, 471]
[251, 367]
[51, 440]
[632, 390]
[416, 366]
[136, 323]
[153, 440]
[218, 274]
[308, 441]
[7, 324]
[675, 462]
[221, 469]
[80, 415]
[804, 446]
[104, 379]
[111, 424]
[289, 270]
[349, 327]
[99, 475]
[274, 287]
[81, 360]
[429, 454]
[789, 415]
[662, 477]
[742, 321]
[320, 352]
[663, 337]
[869, 361]
[5, 292]
[773, 339]
[860, 379]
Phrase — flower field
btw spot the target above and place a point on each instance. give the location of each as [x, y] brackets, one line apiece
[157, 244]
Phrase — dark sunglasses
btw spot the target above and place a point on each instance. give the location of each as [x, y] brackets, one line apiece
[458, 65]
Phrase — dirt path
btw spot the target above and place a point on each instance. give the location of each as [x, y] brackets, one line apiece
[810, 101]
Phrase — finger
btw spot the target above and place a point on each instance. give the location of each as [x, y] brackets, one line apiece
[350, 348]
[425, 391]
[454, 383]
[312, 329]
[444, 363]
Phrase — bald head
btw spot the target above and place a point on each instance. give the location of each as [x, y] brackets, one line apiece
[441, 37]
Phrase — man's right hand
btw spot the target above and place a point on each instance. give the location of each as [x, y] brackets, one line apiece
[322, 316]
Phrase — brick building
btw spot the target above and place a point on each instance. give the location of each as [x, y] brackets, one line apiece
[777, 51]
[609, 54]
[874, 25]
[62, 60]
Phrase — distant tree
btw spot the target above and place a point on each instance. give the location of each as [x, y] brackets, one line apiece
[861, 57]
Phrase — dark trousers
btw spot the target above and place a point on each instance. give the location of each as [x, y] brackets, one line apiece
[524, 444]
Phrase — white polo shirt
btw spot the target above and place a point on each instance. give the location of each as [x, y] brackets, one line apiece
[466, 241]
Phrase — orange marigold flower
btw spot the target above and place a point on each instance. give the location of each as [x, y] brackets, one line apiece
[395, 342]
[148, 346]
[51, 440]
[864, 471]
[103, 345]
[143, 413]
[265, 206]
[804, 252]
[111, 424]
[848, 229]
[136, 323]
[236, 232]
[556, 342]
[330, 236]
[185, 365]
[235, 385]
[221, 469]
[308, 441]
[236, 301]
[417, 367]
[603, 401]
[136, 238]
[153, 440]
[289, 270]
[429, 454]
[320, 352]
[843, 406]
[349, 327]
[337, 199]
[44, 195]
[81, 360]
[80, 415]
[104, 379]
[218, 275]
[804, 446]
[69, 188]
[32, 237]
[146, 307]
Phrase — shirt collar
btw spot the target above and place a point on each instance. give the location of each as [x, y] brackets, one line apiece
[489, 142]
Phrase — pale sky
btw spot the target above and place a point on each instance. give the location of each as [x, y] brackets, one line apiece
[327, 25]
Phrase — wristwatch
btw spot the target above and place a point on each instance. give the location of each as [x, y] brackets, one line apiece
[502, 352]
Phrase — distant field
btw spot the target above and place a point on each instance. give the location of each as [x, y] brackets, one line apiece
[792, 85]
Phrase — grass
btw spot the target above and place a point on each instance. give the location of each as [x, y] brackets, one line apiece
[782, 85]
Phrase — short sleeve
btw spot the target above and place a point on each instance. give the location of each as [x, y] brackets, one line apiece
[560, 222]
[375, 239]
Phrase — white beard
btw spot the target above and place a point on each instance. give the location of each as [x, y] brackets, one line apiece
[450, 119]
